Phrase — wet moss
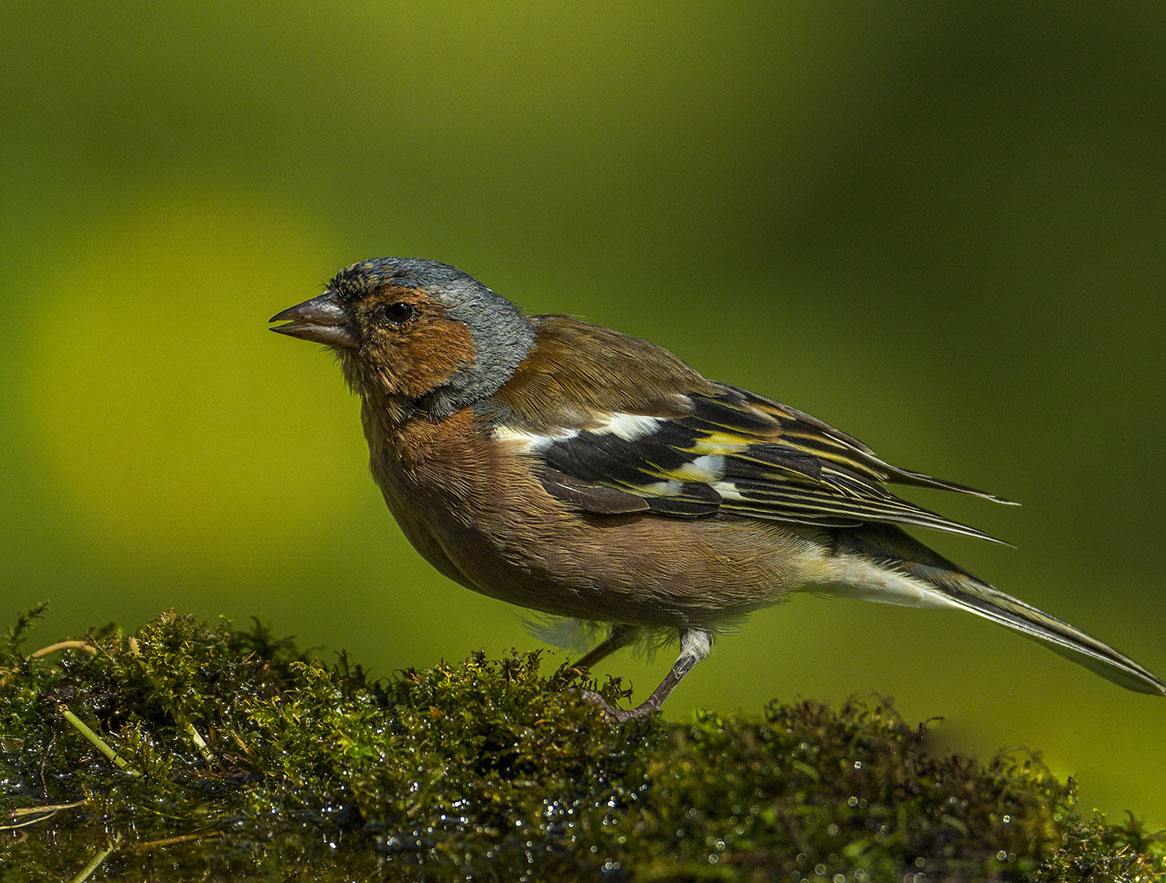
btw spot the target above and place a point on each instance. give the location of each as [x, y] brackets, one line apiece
[245, 758]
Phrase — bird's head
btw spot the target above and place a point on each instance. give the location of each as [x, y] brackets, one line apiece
[415, 330]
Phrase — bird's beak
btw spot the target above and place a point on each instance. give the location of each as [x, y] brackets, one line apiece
[321, 319]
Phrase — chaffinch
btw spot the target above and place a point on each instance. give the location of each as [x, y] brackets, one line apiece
[568, 468]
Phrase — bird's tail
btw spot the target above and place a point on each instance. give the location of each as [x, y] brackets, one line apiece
[1059, 636]
[951, 587]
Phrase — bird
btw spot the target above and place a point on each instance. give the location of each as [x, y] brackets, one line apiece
[584, 473]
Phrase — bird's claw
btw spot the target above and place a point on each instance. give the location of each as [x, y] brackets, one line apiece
[620, 714]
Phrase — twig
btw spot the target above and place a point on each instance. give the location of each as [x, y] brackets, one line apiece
[38, 813]
[171, 841]
[10, 674]
[99, 743]
[87, 871]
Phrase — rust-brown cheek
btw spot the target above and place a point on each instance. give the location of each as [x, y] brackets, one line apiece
[432, 357]
[413, 361]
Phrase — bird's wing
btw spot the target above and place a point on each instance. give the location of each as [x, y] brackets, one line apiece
[731, 452]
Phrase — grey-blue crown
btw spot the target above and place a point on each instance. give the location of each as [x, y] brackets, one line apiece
[368, 275]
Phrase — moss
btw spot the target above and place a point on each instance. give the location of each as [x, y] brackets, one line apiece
[246, 758]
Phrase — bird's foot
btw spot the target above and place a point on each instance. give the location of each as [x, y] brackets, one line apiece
[642, 710]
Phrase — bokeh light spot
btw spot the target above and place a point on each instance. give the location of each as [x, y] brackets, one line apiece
[168, 419]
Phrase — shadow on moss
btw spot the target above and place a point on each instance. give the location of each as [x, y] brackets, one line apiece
[245, 758]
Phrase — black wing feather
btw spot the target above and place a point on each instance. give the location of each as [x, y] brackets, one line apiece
[741, 454]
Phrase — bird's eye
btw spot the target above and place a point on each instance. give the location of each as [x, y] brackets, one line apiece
[397, 313]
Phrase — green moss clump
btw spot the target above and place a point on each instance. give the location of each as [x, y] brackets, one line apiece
[244, 758]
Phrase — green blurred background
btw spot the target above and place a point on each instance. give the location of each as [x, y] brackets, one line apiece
[941, 227]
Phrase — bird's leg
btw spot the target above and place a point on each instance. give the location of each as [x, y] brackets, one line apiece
[619, 636]
[694, 646]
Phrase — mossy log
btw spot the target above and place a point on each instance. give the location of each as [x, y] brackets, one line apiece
[219, 753]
